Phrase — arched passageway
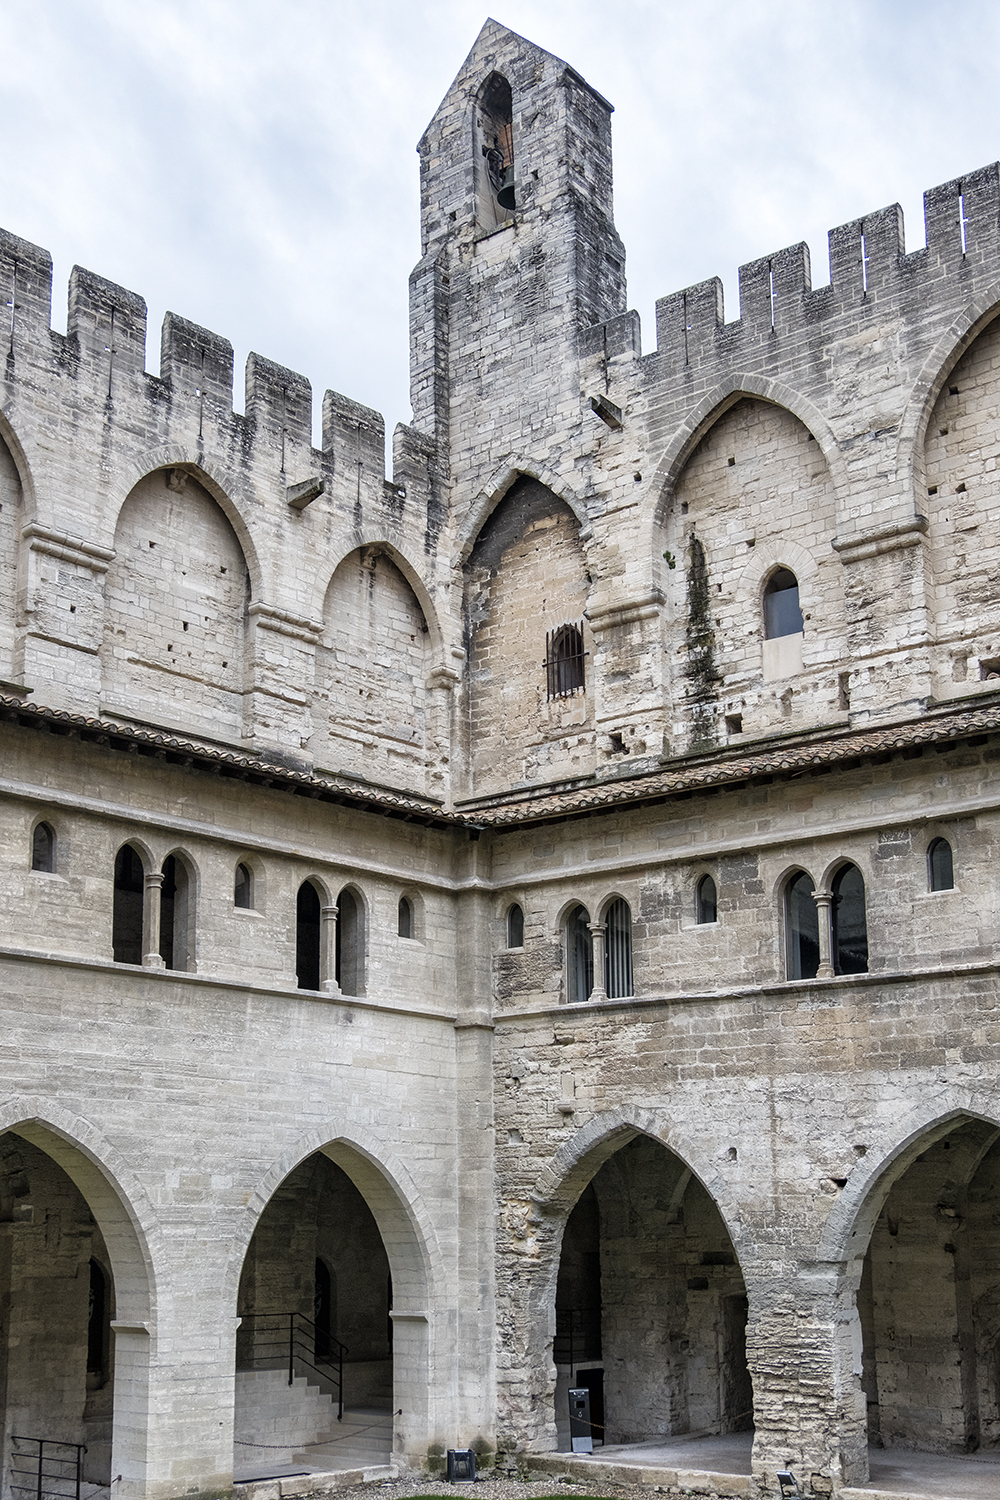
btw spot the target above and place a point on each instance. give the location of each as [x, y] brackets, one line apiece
[314, 1353]
[651, 1307]
[70, 1266]
[929, 1300]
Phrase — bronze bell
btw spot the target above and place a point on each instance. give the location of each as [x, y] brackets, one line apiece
[505, 196]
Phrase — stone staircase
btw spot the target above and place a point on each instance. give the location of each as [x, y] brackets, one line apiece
[284, 1429]
[362, 1440]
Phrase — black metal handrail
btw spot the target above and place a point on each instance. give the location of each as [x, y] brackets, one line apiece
[278, 1340]
[44, 1470]
[578, 1335]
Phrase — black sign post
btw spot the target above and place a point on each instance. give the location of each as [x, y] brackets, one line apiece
[579, 1420]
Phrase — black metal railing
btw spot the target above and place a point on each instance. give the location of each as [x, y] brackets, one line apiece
[290, 1341]
[46, 1468]
[578, 1335]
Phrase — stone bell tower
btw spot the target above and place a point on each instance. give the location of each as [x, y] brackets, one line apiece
[519, 253]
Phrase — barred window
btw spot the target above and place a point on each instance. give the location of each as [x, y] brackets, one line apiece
[618, 980]
[564, 661]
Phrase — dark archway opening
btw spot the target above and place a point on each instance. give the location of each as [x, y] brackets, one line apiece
[314, 1298]
[651, 1307]
[929, 1300]
[57, 1302]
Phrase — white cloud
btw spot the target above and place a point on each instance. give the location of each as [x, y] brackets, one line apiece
[251, 165]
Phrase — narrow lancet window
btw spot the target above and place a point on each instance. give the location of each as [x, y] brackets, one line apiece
[350, 944]
[175, 895]
[706, 905]
[126, 919]
[404, 922]
[850, 927]
[801, 928]
[618, 981]
[243, 887]
[940, 868]
[515, 927]
[495, 167]
[579, 956]
[782, 614]
[307, 937]
[43, 848]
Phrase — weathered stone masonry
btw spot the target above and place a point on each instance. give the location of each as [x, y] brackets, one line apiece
[729, 1195]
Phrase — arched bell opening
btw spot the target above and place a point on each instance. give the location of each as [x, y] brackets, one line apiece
[314, 1358]
[929, 1300]
[650, 1306]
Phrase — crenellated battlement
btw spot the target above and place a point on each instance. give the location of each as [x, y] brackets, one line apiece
[869, 266]
[104, 349]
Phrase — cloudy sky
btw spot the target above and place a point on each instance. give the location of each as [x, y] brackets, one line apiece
[250, 164]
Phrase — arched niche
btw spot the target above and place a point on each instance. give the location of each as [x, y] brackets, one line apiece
[372, 668]
[755, 496]
[958, 490]
[176, 596]
[525, 583]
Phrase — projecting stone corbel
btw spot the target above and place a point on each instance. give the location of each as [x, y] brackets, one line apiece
[305, 492]
[607, 411]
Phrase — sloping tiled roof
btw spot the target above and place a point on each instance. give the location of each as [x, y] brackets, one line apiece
[816, 750]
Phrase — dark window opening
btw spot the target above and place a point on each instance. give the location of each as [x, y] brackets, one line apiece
[350, 944]
[940, 868]
[243, 887]
[496, 117]
[515, 927]
[618, 980]
[174, 914]
[801, 928]
[850, 927]
[43, 848]
[126, 917]
[404, 922]
[98, 1326]
[564, 661]
[706, 905]
[307, 937]
[324, 1309]
[782, 615]
[579, 955]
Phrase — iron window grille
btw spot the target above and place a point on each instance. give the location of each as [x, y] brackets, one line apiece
[564, 661]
